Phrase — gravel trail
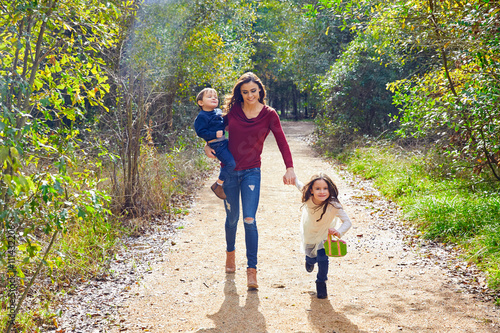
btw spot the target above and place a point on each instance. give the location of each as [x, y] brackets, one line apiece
[384, 284]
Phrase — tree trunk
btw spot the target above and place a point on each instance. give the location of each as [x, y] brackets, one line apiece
[128, 153]
[169, 115]
[306, 100]
[132, 147]
[169, 98]
[443, 52]
[294, 101]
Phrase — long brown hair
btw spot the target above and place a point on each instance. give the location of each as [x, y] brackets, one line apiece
[332, 189]
[235, 95]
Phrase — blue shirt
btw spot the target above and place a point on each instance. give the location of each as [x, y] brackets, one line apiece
[207, 123]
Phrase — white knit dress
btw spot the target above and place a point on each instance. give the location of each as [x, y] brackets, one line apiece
[314, 233]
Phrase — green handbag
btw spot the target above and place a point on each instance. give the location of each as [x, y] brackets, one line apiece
[335, 247]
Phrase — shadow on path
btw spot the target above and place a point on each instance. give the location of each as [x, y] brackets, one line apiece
[324, 318]
[232, 317]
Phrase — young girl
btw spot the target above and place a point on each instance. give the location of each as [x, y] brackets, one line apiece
[320, 210]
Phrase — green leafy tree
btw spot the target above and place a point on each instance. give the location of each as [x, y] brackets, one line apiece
[355, 98]
[183, 45]
[454, 100]
[293, 51]
[353, 91]
[50, 71]
[310, 50]
[172, 51]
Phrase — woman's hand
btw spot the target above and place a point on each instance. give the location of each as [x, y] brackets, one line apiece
[209, 151]
[289, 177]
[332, 231]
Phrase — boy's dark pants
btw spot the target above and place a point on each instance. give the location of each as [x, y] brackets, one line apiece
[224, 155]
[322, 260]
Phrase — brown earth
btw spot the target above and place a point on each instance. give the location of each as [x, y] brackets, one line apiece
[384, 284]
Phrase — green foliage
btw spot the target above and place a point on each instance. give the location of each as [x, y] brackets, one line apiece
[50, 69]
[292, 52]
[445, 209]
[454, 100]
[354, 89]
[191, 44]
[85, 250]
[27, 321]
[174, 49]
[332, 136]
[466, 126]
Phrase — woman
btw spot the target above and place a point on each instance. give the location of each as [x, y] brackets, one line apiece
[249, 120]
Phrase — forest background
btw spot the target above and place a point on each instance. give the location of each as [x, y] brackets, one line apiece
[97, 106]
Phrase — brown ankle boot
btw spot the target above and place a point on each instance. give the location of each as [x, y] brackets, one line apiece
[230, 264]
[252, 278]
[218, 190]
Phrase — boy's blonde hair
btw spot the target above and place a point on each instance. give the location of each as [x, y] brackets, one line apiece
[202, 93]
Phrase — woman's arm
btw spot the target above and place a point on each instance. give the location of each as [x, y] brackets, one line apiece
[289, 177]
[279, 135]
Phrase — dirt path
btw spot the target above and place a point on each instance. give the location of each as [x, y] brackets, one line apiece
[382, 285]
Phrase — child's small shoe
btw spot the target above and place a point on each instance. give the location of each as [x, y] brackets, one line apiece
[321, 290]
[218, 190]
[309, 267]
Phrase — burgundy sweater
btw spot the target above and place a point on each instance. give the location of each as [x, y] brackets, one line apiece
[247, 136]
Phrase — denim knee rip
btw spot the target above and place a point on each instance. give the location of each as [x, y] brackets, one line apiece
[228, 206]
[249, 220]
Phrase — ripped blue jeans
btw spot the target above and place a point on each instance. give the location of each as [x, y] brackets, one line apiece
[246, 183]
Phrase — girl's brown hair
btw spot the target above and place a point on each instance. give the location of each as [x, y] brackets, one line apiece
[235, 95]
[332, 189]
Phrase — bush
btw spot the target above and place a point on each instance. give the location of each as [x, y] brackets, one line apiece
[456, 209]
